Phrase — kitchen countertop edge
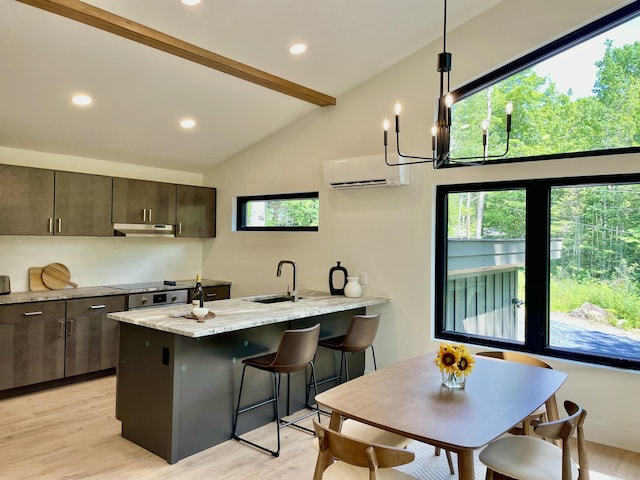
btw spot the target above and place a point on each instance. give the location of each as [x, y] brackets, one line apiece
[242, 313]
[87, 292]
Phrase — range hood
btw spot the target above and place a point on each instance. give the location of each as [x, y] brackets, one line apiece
[143, 230]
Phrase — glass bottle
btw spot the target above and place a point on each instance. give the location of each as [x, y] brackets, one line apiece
[198, 294]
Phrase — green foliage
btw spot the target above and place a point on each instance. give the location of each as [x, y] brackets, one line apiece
[298, 213]
[621, 300]
[546, 121]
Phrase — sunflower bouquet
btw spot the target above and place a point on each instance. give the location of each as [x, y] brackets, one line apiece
[455, 362]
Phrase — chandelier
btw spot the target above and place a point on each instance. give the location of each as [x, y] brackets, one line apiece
[441, 130]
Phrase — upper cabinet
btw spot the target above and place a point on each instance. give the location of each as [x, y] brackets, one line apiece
[141, 201]
[27, 201]
[82, 204]
[196, 212]
[36, 201]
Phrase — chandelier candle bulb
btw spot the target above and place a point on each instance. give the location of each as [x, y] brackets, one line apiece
[398, 109]
[509, 110]
[434, 130]
[385, 126]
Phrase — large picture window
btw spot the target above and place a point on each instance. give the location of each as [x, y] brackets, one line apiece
[545, 266]
[578, 96]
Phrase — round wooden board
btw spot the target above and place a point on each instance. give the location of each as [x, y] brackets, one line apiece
[56, 276]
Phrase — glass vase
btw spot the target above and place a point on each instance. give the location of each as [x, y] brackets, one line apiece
[453, 381]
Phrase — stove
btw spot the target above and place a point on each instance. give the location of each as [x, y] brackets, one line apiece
[138, 286]
[154, 298]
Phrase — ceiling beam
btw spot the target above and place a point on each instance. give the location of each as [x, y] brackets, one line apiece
[109, 22]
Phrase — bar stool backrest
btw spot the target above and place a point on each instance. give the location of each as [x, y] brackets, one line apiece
[361, 333]
[297, 348]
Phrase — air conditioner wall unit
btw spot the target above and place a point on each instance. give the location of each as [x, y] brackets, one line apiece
[363, 172]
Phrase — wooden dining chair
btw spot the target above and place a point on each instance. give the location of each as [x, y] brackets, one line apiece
[526, 457]
[540, 415]
[370, 434]
[357, 459]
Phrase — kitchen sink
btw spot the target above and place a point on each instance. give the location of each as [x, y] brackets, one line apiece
[272, 299]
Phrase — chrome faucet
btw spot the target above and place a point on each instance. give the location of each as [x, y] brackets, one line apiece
[294, 293]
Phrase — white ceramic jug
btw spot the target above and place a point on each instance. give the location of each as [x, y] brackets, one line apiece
[352, 288]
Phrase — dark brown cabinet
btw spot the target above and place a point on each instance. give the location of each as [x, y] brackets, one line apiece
[196, 212]
[91, 337]
[214, 292]
[44, 341]
[27, 201]
[36, 201]
[32, 339]
[82, 204]
[141, 201]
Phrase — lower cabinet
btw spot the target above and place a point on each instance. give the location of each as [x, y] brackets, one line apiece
[91, 338]
[31, 343]
[43, 341]
[214, 292]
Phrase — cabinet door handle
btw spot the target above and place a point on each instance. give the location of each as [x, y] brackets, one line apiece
[61, 323]
[180, 228]
[144, 214]
[60, 225]
[70, 329]
[51, 225]
[31, 314]
[212, 295]
[97, 307]
[149, 215]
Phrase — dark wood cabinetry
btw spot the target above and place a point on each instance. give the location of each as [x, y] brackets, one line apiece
[43, 341]
[91, 337]
[36, 201]
[195, 211]
[141, 201]
[214, 292]
[27, 200]
[82, 204]
[32, 337]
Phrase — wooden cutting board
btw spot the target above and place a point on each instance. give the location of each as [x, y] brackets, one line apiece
[35, 279]
[56, 276]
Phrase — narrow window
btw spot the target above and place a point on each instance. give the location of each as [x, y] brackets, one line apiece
[279, 212]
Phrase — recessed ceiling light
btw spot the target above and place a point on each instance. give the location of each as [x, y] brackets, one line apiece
[81, 99]
[187, 123]
[297, 49]
[190, 3]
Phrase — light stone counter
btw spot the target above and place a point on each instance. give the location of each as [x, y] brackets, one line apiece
[87, 292]
[242, 313]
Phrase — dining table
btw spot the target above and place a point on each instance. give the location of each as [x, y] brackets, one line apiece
[408, 398]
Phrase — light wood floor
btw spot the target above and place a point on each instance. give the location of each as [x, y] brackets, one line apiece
[71, 433]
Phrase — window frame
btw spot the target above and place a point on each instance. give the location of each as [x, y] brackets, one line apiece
[241, 203]
[537, 267]
[540, 54]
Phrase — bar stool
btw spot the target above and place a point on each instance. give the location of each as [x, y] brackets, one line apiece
[296, 350]
[360, 336]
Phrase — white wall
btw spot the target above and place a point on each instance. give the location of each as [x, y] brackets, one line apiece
[95, 261]
[388, 233]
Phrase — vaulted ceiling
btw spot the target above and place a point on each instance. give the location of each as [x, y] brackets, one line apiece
[140, 93]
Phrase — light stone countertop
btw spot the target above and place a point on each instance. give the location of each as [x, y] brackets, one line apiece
[86, 292]
[242, 313]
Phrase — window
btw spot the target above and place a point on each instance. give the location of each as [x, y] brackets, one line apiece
[281, 212]
[545, 266]
[578, 96]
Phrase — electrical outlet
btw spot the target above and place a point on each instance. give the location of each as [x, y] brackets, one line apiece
[363, 278]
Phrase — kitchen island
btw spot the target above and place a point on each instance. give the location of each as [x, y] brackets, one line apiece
[178, 379]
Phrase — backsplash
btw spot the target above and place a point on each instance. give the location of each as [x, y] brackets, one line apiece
[97, 261]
